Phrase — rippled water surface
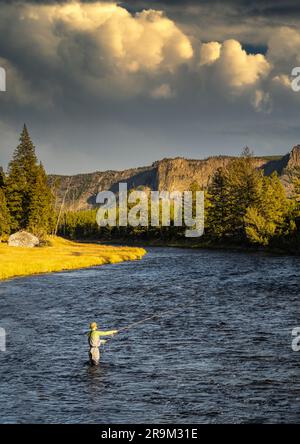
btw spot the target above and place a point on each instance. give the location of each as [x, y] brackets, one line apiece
[226, 358]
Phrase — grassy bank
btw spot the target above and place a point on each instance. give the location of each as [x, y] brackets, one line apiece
[61, 255]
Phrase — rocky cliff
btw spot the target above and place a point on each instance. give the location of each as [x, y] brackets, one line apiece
[294, 158]
[290, 162]
[167, 174]
[178, 174]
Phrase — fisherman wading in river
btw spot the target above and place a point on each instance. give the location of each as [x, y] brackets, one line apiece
[95, 342]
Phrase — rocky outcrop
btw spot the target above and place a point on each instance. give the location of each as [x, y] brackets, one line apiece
[23, 239]
[167, 174]
[294, 158]
[276, 165]
[80, 190]
[292, 163]
[178, 174]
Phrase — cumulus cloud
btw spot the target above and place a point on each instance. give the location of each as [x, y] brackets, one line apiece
[209, 53]
[145, 41]
[101, 48]
[234, 65]
[240, 68]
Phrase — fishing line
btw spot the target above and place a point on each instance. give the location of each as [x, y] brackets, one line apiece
[148, 318]
[155, 315]
[143, 320]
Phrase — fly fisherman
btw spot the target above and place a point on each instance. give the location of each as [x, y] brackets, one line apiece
[95, 342]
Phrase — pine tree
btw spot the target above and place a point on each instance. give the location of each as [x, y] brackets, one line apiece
[4, 213]
[2, 178]
[243, 183]
[269, 217]
[217, 205]
[21, 173]
[28, 195]
[232, 191]
[41, 215]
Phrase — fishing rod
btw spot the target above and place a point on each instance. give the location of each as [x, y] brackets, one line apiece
[142, 320]
[155, 315]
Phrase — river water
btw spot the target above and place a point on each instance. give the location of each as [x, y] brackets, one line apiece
[224, 358]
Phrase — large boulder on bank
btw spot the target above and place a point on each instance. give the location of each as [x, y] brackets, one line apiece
[23, 239]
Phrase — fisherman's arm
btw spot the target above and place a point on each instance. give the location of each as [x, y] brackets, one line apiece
[108, 333]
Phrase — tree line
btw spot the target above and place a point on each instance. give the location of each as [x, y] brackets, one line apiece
[242, 206]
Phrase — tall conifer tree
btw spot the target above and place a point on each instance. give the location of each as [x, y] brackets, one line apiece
[27, 189]
[41, 215]
[4, 213]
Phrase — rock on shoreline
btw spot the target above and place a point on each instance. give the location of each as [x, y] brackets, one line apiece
[23, 239]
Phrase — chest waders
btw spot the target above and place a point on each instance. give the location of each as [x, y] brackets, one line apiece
[94, 353]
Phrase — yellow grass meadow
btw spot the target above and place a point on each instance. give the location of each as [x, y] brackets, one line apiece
[61, 255]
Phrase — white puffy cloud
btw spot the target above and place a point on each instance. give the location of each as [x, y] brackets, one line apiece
[234, 66]
[98, 48]
[239, 68]
[209, 52]
[145, 41]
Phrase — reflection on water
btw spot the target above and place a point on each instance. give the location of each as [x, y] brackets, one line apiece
[225, 358]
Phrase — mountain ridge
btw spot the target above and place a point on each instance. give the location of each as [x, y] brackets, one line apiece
[79, 191]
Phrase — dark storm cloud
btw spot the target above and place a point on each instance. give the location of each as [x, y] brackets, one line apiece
[255, 7]
[264, 7]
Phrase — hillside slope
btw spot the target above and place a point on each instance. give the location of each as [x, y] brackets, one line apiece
[167, 174]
